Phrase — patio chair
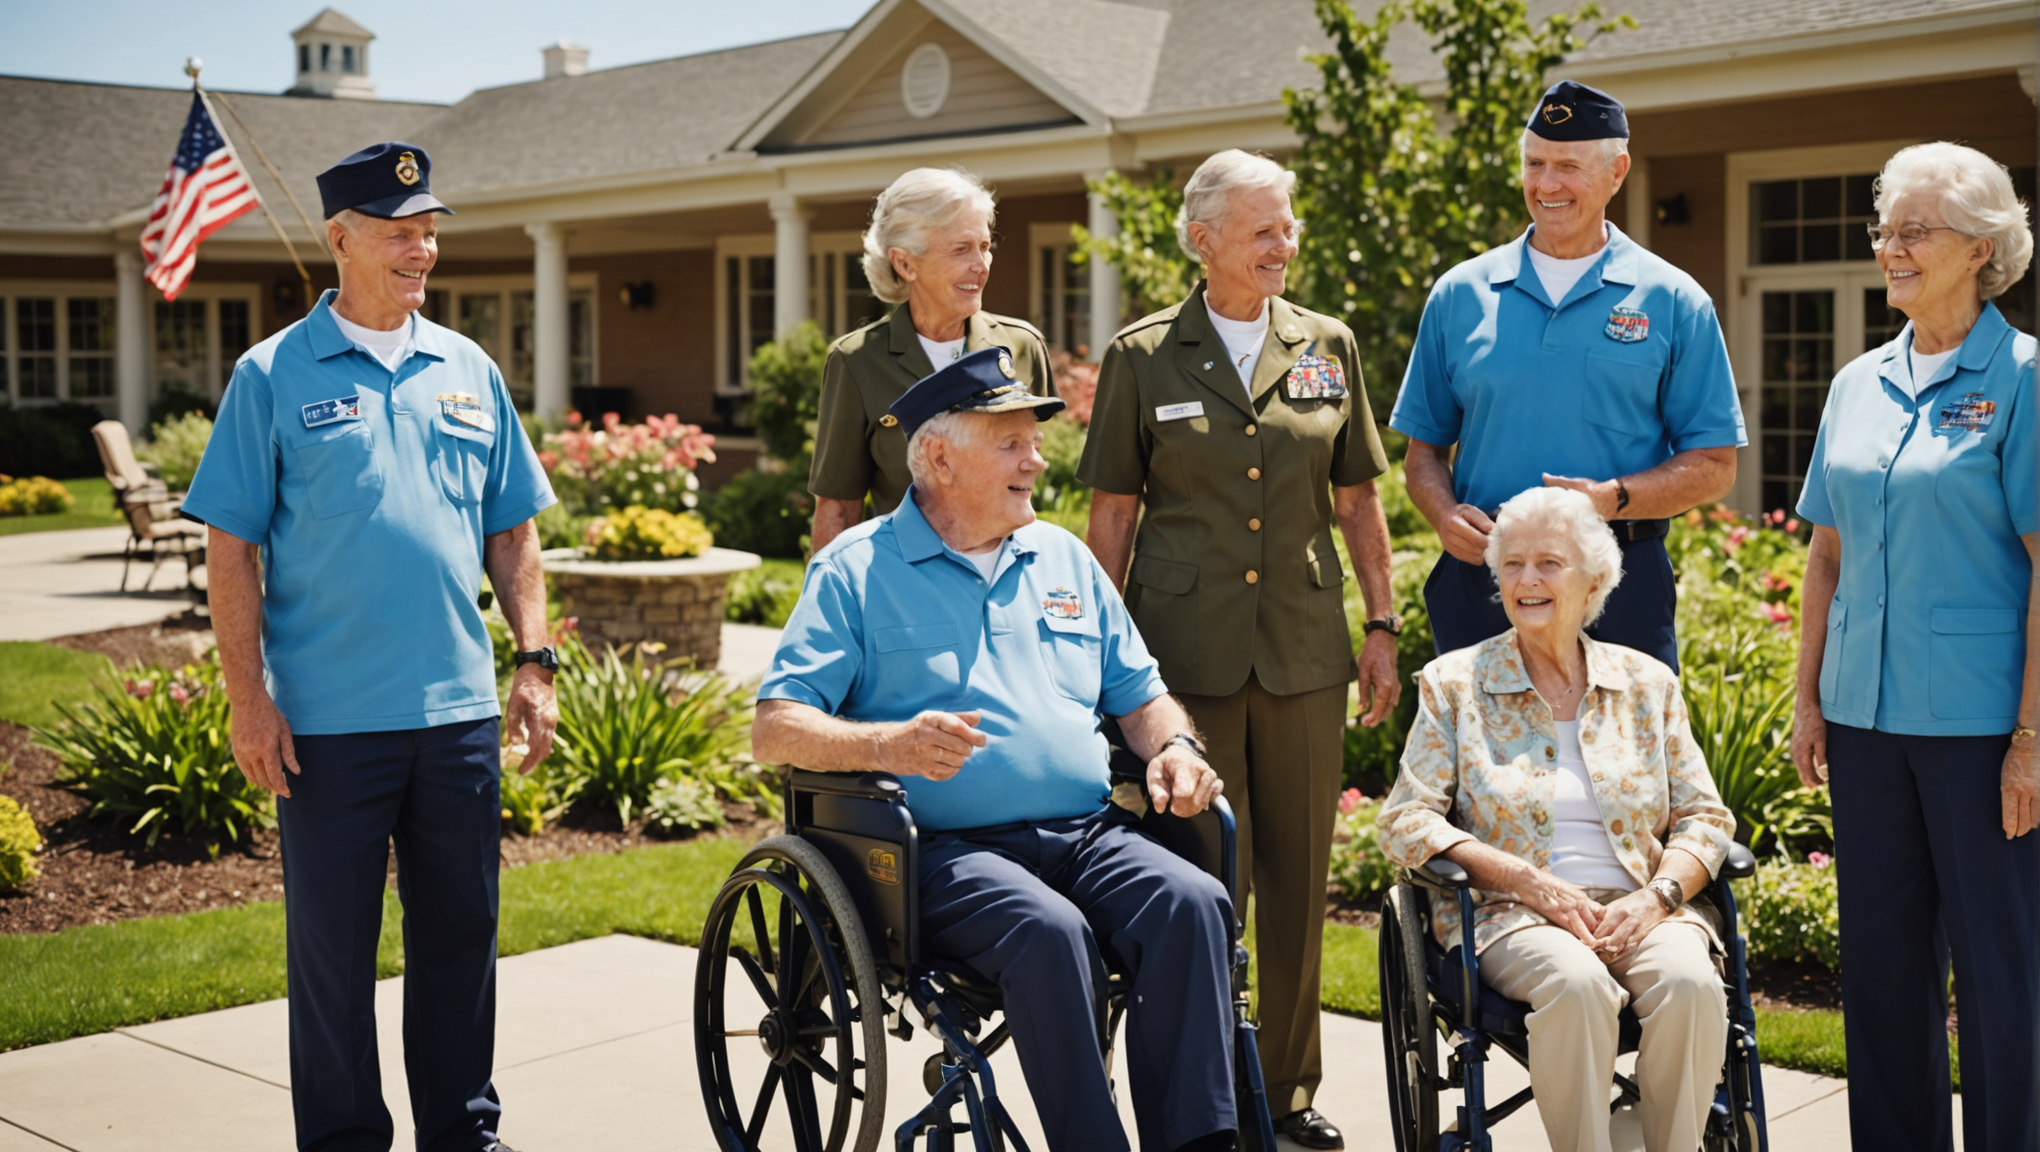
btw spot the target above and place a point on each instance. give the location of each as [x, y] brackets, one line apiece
[155, 529]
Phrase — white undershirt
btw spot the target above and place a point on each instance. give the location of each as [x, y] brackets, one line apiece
[387, 347]
[987, 562]
[941, 353]
[1243, 340]
[1558, 276]
[1924, 364]
[1580, 850]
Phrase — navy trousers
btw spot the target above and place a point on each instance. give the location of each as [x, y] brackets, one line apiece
[1926, 871]
[1037, 908]
[435, 792]
[1466, 607]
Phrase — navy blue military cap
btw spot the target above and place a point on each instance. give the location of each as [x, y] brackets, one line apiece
[390, 180]
[980, 382]
[1573, 111]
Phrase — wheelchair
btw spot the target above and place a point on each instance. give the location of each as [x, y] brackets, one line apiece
[812, 952]
[1426, 990]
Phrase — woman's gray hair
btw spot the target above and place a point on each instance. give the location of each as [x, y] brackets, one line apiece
[1206, 195]
[913, 208]
[954, 428]
[1976, 198]
[1574, 512]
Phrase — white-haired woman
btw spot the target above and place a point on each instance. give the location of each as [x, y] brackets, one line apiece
[1560, 772]
[1238, 422]
[1919, 691]
[928, 251]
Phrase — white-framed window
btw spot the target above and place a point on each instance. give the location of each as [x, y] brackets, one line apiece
[500, 314]
[57, 342]
[839, 297]
[1059, 288]
[195, 340]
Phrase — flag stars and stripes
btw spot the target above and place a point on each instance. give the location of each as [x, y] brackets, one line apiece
[204, 189]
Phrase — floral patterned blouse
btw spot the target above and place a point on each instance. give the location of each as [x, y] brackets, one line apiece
[1481, 764]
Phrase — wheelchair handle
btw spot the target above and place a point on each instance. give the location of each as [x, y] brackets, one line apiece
[874, 785]
[1741, 862]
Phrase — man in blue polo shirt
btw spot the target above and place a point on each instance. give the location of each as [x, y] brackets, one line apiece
[373, 460]
[958, 640]
[1570, 357]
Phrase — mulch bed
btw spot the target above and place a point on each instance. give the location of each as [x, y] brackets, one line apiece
[93, 872]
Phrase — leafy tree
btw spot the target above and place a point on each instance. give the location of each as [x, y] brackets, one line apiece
[1154, 272]
[786, 384]
[1394, 190]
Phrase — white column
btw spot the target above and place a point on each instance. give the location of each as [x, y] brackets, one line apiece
[130, 347]
[549, 316]
[790, 304]
[1641, 210]
[1105, 304]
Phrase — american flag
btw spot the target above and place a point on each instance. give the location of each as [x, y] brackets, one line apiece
[205, 188]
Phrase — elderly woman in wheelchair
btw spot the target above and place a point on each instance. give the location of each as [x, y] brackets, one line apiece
[1556, 777]
[958, 647]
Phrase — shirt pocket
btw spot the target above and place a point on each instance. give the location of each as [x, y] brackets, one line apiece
[1831, 655]
[1074, 653]
[463, 462]
[1975, 663]
[1622, 396]
[342, 473]
[916, 657]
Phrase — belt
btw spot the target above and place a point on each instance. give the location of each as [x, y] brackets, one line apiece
[1637, 531]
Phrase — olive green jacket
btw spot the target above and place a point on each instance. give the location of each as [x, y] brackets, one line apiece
[873, 366]
[1234, 570]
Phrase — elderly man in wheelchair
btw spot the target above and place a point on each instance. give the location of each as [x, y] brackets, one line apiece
[970, 652]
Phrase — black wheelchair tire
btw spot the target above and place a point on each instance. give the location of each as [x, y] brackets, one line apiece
[1408, 1038]
[847, 976]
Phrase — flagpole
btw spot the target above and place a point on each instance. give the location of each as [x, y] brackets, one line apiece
[192, 67]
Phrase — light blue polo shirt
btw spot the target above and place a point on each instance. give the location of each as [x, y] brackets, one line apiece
[370, 493]
[1930, 485]
[893, 622]
[1626, 371]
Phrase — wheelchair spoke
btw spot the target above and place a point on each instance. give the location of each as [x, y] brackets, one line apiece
[800, 1106]
[789, 938]
[816, 1064]
[757, 975]
[764, 938]
[763, 1107]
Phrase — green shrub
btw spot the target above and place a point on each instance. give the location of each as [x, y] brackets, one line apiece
[764, 512]
[33, 496]
[50, 440]
[756, 597]
[559, 528]
[1360, 869]
[156, 751]
[1788, 911]
[19, 842]
[1743, 726]
[683, 804]
[786, 388]
[172, 403]
[534, 800]
[175, 446]
[640, 533]
[1062, 445]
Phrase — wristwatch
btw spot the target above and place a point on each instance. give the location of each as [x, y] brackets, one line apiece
[1669, 893]
[1188, 741]
[1391, 624]
[2023, 731]
[1621, 494]
[545, 658]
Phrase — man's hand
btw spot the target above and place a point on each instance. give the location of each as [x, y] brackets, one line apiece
[262, 743]
[531, 715]
[2020, 788]
[933, 744]
[1809, 743]
[1464, 534]
[1625, 922]
[1180, 782]
[1604, 493]
[1379, 676]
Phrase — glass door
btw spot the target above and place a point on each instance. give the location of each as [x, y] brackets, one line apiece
[1798, 329]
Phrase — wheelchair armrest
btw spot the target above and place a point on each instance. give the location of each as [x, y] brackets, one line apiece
[1741, 862]
[875, 785]
[1441, 874]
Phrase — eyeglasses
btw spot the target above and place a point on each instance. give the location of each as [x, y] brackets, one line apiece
[1881, 235]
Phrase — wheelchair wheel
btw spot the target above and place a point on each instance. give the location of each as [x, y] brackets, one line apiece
[1408, 1038]
[786, 972]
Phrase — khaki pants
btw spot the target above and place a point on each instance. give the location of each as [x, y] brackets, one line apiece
[1280, 758]
[1671, 980]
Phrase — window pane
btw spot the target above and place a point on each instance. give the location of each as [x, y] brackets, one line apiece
[733, 298]
[581, 339]
[1778, 493]
[1821, 199]
[180, 346]
[1777, 452]
[91, 377]
[481, 320]
[1776, 201]
[1778, 245]
[435, 305]
[1821, 242]
[36, 321]
[234, 337]
[1881, 322]
[1795, 221]
[759, 332]
[1858, 198]
[523, 322]
[860, 307]
[90, 321]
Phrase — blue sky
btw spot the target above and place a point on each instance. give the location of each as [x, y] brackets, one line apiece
[436, 50]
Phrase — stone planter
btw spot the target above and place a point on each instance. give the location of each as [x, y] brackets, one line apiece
[678, 603]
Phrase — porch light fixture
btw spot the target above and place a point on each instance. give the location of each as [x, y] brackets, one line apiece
[636, 294]
[1672, 210]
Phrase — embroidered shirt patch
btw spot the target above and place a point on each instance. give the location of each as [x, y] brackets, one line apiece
[332, 411]
[1316, 378]
[1063, 604]
[460, 407]
[1972, 413]
[1628, 325]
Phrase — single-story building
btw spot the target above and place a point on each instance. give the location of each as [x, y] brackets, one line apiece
[640, 230]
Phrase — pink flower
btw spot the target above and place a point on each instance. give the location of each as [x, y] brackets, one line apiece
[178, 694]
[1819, 859]
[141, 689]
[1350, 799]
[1792, 525]
[1779, 614]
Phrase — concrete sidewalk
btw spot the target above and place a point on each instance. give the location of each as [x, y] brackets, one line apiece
[595, 1050]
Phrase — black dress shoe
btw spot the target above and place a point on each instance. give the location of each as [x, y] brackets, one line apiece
[1311, 1130]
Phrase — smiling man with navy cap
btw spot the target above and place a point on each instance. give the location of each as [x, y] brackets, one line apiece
[373, 463]
[1574, 358]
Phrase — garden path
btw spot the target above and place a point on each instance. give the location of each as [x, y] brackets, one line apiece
[594, 1050]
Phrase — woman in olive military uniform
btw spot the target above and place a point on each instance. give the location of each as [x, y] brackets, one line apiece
[1237, 421]
[929, 251]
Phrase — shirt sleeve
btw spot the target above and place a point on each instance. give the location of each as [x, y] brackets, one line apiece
[517, 486]
[821, 651]
[1357, 455]
[1700, 406]
[842, 464]
[1414, 819]
[1131, 675]
[2019, 470]
[234, 489]
[1428, 407]
[1814, 505]
[1116, 449]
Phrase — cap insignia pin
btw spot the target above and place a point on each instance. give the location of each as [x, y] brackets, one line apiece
[1006, 366]
[1556, 113]
[888, 420]
[407, 169]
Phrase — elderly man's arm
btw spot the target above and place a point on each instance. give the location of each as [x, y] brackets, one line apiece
[511, 559]
[933, 744]
[1178, 779]
[1689, 479]
[1462, 529]
[259, 733]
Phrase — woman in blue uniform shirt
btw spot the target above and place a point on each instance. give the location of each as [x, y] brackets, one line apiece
[1915, 643]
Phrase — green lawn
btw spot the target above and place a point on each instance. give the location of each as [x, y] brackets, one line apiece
[94, 509]
[33, 676]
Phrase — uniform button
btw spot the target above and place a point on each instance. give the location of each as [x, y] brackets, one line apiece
[1253, 577]
[1883, 462]
[1880, 601]
[1254, 525]
[1253, 431]
[1253, 473]
[1550, 752]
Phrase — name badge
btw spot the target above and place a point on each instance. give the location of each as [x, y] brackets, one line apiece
[1316, 378]
[461, 408]
[332, 411]
[1167, 412]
